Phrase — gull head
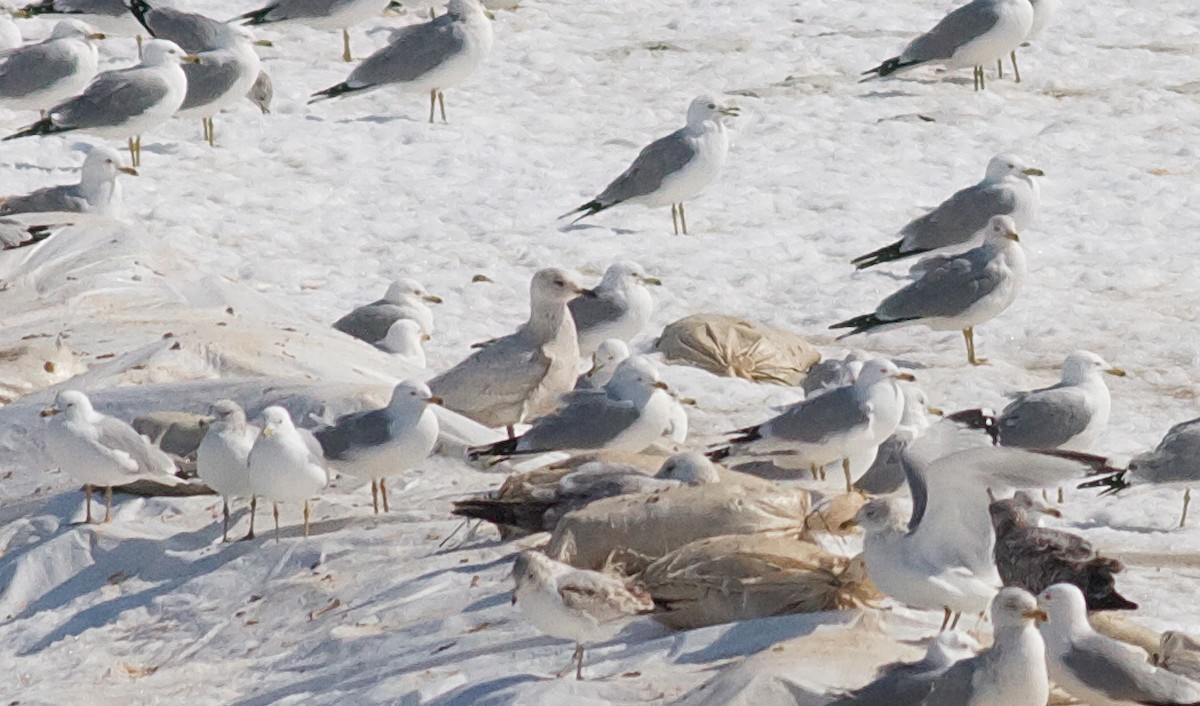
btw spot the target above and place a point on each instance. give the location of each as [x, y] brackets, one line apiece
[103, 164]
[689, 468]
[706, 108]
[876, 517]
[404, 337]
[228, 412]
[413, 393]
[634, 374]
[610, 352]
[949, 647]
[276, 420]
[917, 408]
[163, 52]
[1082, 366]
[528, 568]
[1015, 607]
[406, 289]
[626, 273]
[74, 28]
[1006, 165]
[72, 404]
[1064, 606]
[1000, 229]
[874, 371]
[556, 287]
[463, 8]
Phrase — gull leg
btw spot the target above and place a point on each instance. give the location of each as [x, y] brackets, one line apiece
[682, 220]
[1060, 495]
[133, 160]
[139, 43]
[346, 45]
[108, 504]
[816, 472]
[442, 104]
[579, 662]
[253, 507]
[945, 620]
[212, 133]
[954, 625]
[432, 103]
[383, 492]
[1016, 71]
[87, 500]
[969, 335]
[1187, 500]
[849, 480]
[275, 511]
[512, 433]
[375, 496]
[674, 220]
[225, 512]
[999, 68]
[305, 518]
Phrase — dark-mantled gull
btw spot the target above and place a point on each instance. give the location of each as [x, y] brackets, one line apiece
[574, 604]
[957, 292]
[14, 234]
[621, 308]
[976, 34]
[124, 103]
[1098, 669]
[605, 359]
[110, 16]
[671, 169]
[320, 14]
[384, 442]
[284, 466]
[1012, 672]
[907, 683]
[846, 424]
[629, 414]
[430, 56]
[97, 191]
[886, 474]
[222, 459]
[1007, 189]
[521, 375]
[221, 78]
[404, 299]
[405, 341]
[1035, 558]
[38, 76]
[100, 451]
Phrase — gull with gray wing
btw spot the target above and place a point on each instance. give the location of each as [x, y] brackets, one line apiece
[38, 76]
[320, 14]
[97, 191]
[621, 308]
[404, 299]
[222, 459]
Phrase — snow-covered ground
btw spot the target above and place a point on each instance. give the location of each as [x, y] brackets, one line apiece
[301, 214]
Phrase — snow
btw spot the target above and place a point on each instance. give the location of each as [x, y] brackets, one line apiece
[302, 214]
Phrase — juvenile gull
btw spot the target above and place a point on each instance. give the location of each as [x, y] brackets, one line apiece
[521, 375]
[843, 424]
[574, 604]
[430, 56]
[671, 169]
[405, 341]
[384, 442]
[1007, 189]
[221, 78]
[957, 292]
[404, 299]
[284, 466]
[605, 359]
[100, 451]
[629, 414]
[621, 308]
[320, 14]
[976, 34]
[111, 16]
[123, 103]
[38, 76]
[97, 191]
[1035, 558]
[222, 459]
[1012, 672]
[886, 474]
[907, 683]
[1098, 669]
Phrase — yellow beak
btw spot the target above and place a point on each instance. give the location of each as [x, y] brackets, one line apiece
[907, 377]
[1033, 171]
[127, 170]
[935, 411]
[436, 400]
[1038, 615]
[267, 432]
[50, 412]
[652, 281]
[190, 59]
[432, 299]
[1116, 371]
[1011, 235]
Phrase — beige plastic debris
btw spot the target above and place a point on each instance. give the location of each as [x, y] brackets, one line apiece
[830, 515]
[630, 531]
[743, 577]
[733, 347]
[34, 364]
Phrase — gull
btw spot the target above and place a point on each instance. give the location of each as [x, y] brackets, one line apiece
[404, 299]
[1012, 672]
[39, 75]
[320, 14]
[1098, 669]
[831, 373]
[14, 234]
[957, 291]
[123, 103]
[629, 414]
[262, 92]
[111, 16]
[1069, 415]
[430, 56]
[384, 442]
[1180, 653]
[222, 459]
[1175, 461]
[574, 604]
[521, 375]
[539, 508]
[284, 466]
[1007, 189]
[96, 193]
[843, 424]
[222, 77]
[886, 474]
[1043, 11]
[976, 34]
[10, 34]
[621, 308]
[904, 683]
[100, 451]
[405, 341]
[192, 31]
[1036, 558]
[671, 169]
[605, 359]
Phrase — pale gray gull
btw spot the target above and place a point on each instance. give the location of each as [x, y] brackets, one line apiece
[621, 308]
[38, 76]
[192, 31]
[111, 16]
[832, 373]
[907, 683]
[97, 191]
[319, 14]
[404, 299]
[222, 459]
[262, 92]
[10, 34]
[405, 341]
[886, 474]
[605, 359]
[222, 76]
[285, 466]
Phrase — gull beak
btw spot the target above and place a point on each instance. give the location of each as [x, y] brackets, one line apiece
[907, 377]
[1052, 512]
[190, 59]
[848, 524]
[731, 111]
[589, 293]
[1116, 371]
[652, 281]
[50, 412]
[935, 411]
[127, 170]
[263, 43]
[426, 337]
[660, 385]
[1033, 171]
[689, 401]
[432, 298]
[96, 35]
[435, 400]
[267, 432]
[1038, 615]
[1012, 235]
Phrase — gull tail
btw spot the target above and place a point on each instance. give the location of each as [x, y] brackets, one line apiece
[45, 126]
[739, 436]
[508, 447]
[978, 419]
[341, 89]
[590, 208]
[1112, 483]
[36, 235]
[885, 254]
[139, 8]
[38, 8]
[526, 514]
[866, 322]
[257, 17]
[887, 68]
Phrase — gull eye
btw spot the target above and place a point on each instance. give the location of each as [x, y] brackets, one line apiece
[712, 106]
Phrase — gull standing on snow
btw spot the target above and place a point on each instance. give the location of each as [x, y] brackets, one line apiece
[1098, 669]
[192, 31]
[384, 442]
[285, 466]
[430, 56]
[605, 359]
[96, 193]
[404, 299]
[1007, 189]
[319, 14]
[846, 424]
[957, 292]
[405, 341]
[1043, 12]
[629, 414]
[976, 34]
[621, 308]
[222, 459]
[674, 168]
[111, 16]
[100, 451]
[521, 375]
[123, 103]
[574, 604]
[222, 77]
[39, 75]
